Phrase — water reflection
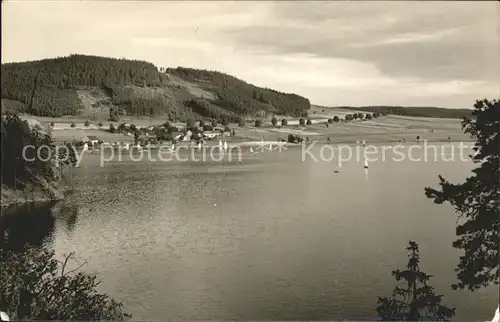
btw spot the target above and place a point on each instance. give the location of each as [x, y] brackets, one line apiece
[32, 225]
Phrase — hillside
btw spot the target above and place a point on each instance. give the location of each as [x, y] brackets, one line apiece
[425, 111]
[99, 87]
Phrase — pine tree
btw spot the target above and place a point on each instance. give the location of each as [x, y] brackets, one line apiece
[477, 201]
[417, 301]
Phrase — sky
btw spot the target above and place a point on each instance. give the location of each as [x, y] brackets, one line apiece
[333, 52]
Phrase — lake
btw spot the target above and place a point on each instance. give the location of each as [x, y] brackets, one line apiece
[271, 237]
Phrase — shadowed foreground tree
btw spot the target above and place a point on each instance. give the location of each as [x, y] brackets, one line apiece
[37, 286]
[477, 201]
[417, 301]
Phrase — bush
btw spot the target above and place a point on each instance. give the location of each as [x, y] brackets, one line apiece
[258, 123]
[309, 122]
[241, 122]
[36, 286]
[133, 128]
[336, 119]
[73, 125]
[330, 121]
[227, 129]
[284, 122]
[214, 123]
[52, 124]
[202, 123]
[100, 124]
[225, 122]
[294, 138]
[189, 124]
[208, 128]
[87, 123]
[112, 128]
[302, 122]
[274, 121]
[355, 116]
[368, 116]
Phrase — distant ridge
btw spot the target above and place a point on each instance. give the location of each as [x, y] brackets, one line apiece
[424, 111]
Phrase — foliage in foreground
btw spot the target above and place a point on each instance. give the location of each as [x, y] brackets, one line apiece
[37, 286]
[477, 201]
[17, 171]
[417, 301]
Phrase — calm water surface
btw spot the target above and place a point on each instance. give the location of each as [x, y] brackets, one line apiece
[270, 237]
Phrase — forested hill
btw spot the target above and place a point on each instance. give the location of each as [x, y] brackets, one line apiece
[92, 85]
[425, 111]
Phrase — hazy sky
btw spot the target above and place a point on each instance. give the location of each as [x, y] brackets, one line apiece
[335, 53]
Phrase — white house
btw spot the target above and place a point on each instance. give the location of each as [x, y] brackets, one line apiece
[211, 134]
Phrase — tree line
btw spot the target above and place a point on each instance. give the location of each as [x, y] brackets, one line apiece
[240, 97]
[48, 87]
[424, 111]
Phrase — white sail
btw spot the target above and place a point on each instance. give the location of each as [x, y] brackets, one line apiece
[366, 164]
[363, 143]
[220, 144]
[172, 147]
[199, 146]
[225, 145]
[251, 150]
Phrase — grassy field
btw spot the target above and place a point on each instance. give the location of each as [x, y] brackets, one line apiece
[391, 128]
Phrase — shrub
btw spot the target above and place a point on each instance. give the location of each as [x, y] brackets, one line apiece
[202, 123]
[302, 122]
[274, 121]
[227, 129]
[294, 138]
[208, 128]
[368, 116]
[112, 128]
[189, 124]
[330, 121]
[73, 125]
[241, 122]
[52, 124]
[258, 123]
[336, 119]
[100, 124]
[284, 122]
[214, 123]
[87, 123]
[133, 127]
[225, 122]
[39, 287]
[309, 122]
